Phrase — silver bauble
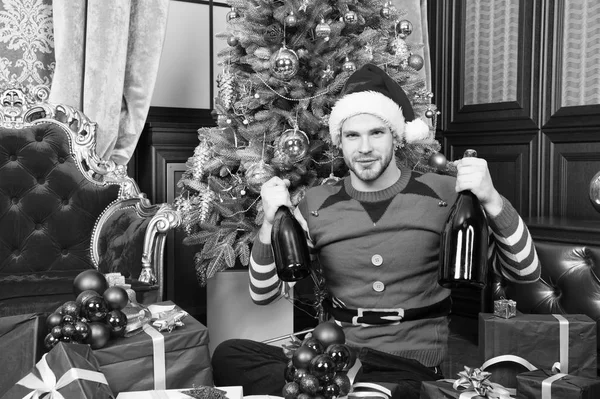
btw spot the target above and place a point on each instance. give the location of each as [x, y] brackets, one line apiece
[404, 28]
[290, 19]
[348, 66]
[323, 29]
[351, 18]
[257, 174]
[284, 63]
[233, 14]
[294, 143]
[415, 61]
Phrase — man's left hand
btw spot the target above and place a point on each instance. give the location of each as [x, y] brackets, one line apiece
[473, 175]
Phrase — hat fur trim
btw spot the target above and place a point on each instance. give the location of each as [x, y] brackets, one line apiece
[366, 102]
[417, 130]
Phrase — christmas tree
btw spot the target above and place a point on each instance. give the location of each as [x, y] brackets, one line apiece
[284, 68]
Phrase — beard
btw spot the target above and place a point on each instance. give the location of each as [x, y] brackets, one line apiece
[371, 170]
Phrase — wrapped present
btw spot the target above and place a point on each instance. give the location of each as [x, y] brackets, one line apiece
[67, 371]
[158, 360]
[472, 383]
[505, 308]
[547, 385]
[542, 339]
[21, 346]
[201, 392]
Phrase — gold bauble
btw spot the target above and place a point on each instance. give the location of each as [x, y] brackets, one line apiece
[323, 29]
[284, 63]
[415, 61]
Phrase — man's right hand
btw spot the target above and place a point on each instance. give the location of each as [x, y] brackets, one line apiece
[274, 194]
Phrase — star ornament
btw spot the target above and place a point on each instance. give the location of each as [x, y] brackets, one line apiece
[327, 73]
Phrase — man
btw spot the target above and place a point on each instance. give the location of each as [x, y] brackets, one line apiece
[377, 236]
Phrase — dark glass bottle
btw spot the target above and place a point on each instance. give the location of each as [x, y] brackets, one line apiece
[292, 258]
[464, 243]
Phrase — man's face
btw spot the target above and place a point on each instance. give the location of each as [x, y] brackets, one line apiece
[368, 146]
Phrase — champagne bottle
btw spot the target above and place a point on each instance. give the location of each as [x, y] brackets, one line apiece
[464, 242]
[292, 258]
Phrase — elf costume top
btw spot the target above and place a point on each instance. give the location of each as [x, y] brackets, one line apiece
[379, 250]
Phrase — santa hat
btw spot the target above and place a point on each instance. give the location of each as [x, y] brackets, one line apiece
[370, 90]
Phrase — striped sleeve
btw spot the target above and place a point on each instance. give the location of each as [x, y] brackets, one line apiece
[264, 284]
[512, 251]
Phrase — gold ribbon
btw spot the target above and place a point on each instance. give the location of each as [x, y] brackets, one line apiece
[158, 351]
[48, 384]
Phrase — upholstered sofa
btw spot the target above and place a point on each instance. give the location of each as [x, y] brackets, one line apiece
[64, 210]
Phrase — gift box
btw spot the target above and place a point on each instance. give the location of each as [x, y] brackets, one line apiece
[158, 360]
[505, 308]
[230, 393]
[21, 346]
[541, 339]
[546, 385]
[69, 369]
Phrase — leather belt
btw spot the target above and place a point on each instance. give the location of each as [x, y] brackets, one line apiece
[379, 316]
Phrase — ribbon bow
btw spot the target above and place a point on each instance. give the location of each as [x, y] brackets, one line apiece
[475, 383]
[48, 383]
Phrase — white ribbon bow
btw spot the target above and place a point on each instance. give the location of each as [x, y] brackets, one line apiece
[48, 383]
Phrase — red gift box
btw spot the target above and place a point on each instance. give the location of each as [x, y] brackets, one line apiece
[21, 346]
[67, 371]
[158, 360]
[542, 384]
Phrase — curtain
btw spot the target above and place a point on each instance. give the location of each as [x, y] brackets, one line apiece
[107, 55]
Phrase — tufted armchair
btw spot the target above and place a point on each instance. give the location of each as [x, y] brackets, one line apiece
[64, 210]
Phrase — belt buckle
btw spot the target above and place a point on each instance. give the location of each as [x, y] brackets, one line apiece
[397, 315]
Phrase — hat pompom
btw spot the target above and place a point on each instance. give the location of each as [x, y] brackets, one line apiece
[416, 130]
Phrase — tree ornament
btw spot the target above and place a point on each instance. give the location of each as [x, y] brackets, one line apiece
[68, 330]
[67, 319]
[314, 344]
[95, 309]
[284, 63]
[82, 330]
[348, 66]
[226, 86]
[323, 30]
[331, 180]
[56, 331]
[309, 384]
[117, 321]
[399, 48]
[437, 160]
[343, 382]
[290, 19]
[331, 391]
[351, 18]
[233, 14]
[81, 298]
[429, 113]
[90, 280]
[53, 319]
[232, 41]
[302, 357]
[199, 159]
[294, 143]
[116, 298]
[386, 11]
[415, 61]
[71, 308]
[299, 373]
[340, 354]
[98, 336]
[291, 390]
[322, 367]
[404, 28]
[258, 174]
[327, 74]
[207, 198]
[329, 333]
[50, 341]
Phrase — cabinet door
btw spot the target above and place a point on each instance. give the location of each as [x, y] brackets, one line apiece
[492, 83]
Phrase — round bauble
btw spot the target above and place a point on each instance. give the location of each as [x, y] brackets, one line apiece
[284, 63]
[68, 330]
[95, 309]
[50, 341]
[231, 15]
[323, 29]
[288, 372]
[351, 18]
[302, 357]
[81, 298]
[71, 308]
[415, 61]
[429, 113]
[329, 333]
[56, 331]
[116, 298]
[385, 11]
[437, 160]
[117, 322]
[98, 336]
[257, 174]
[322, 367]
[82, 330]
[331, 391]
[309, 384]
[291, 20]
[404, 28]
[68, 319]
[303, 395]
[314, 344]
[90, 280]
[298, 374]
[66, 340]
[340, 354]
[53, 319]
[291, 390]
[399, 48]
[343, 382]
[232, 41]
[348, 66]
[294, 143]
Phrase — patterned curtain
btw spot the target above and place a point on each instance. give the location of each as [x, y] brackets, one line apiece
[27, 45]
